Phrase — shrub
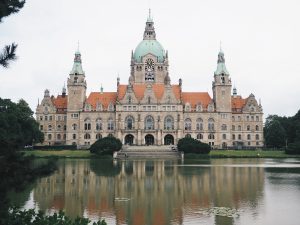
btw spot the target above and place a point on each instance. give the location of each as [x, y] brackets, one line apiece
[106, 146]
[191, 145]
[293, 148]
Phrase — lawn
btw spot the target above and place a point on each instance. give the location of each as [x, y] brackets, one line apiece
[62, 153]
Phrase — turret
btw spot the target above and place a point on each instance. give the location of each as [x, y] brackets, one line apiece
[222, 86]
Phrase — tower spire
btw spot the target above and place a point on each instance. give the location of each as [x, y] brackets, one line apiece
[221, 68]
[149, 33]
[77, 65]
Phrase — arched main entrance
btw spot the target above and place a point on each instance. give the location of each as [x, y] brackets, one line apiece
[149, 139]
[129, 139]
[169, 139]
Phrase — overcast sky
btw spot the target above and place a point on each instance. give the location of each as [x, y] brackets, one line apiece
[260, 39]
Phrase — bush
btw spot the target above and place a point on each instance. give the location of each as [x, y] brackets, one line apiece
[293, 148]
[16, 216]
[106, 146]
[191, 145]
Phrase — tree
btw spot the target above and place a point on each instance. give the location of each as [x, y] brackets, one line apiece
[191, 145]
[8, 7]
[275, 134]
[106, 146]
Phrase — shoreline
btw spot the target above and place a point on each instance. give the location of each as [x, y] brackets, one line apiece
[214, 154]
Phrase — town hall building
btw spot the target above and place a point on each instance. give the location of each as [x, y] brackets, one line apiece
[150, 109]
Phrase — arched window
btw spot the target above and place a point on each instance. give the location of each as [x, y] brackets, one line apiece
[248, 127]
[233, 137]
[257, 128]
[49, 136]
[74, 136]
[87, 124]
[98, 124]
[249, 137]
[211, 136]
[87, 136]
[110, 124]
[129, 123]
[239, 128]
[211, 124]
[257, 137]
[199, 136]
[188, 124]
[199, 124]
[240, 137]
[187, 107]
[49, 127]
[169, 123]
[224, 136]
[98, 136]
[149, 123]
[58, 127]
[74, 126]
[188, 136]
[58, 136]
[224, 127]
[233, 128]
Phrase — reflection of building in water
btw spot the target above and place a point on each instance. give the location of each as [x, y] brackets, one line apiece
[159, 191]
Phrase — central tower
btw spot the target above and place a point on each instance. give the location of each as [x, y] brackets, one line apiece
[149, 61]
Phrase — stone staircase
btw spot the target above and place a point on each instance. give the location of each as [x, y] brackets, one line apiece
[151, 151]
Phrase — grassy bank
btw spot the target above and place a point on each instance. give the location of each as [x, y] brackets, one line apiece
[213, 154]
[61, 154]
[243, 154]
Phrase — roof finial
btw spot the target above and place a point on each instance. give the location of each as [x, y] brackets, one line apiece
[77, 46]
[149, 13]
[221, 46]
[101, 89]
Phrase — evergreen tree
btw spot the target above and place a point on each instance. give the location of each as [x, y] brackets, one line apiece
[8, 7]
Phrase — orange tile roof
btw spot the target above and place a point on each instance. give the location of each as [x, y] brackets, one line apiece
[237, 102]
[60, 102]
[104, 98]
[196, 97]
[139, 90]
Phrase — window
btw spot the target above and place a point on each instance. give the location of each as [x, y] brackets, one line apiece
[129, 123]
[87, 124]
[224, 127]
[169, 123]
[46, 118]
[49, 136]
[233, 118]
[252, 118]
[239, 128]
[41, 117]
[58, 136]
[99, 106]
[98, 136]
[199, 124]
[74, 115]
[247, 118]
[257, 118]
[65, 127]
[49, 127]
[74, 126]
[257, 128]
[74, 136]
[240, 137]
[248, 127]
[129, 100]
[41, 127]
[65, 136]
[211, 125]
[233, 128]
[233, 137]
[199, 136]
[187, 107]
[248, 137]
[188, 136]
[149, 123]
[110, 124]
[211, 136]
[188, 124]
[87, 136]
[58, 127]
[111, 107]
[98, 124]
[199, 107]
[257, 137]
[224, 136]
[149, 100]
[50, 118]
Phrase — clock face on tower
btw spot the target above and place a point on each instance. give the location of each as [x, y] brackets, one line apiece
[149, 65]
[149, 70]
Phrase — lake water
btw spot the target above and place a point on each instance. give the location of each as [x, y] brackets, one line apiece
[163, 192]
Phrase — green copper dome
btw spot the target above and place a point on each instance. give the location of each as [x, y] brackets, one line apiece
[149, 46]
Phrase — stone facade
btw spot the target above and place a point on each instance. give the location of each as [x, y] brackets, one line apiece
[149, 110]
